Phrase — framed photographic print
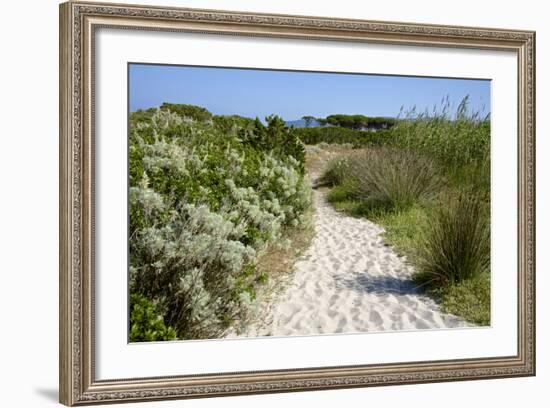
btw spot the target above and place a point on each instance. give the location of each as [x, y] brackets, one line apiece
[256, 203]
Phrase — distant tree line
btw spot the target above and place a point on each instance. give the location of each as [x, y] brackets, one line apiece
[356, 122]
[341, 135]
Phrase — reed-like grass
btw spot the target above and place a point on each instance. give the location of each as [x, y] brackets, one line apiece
[454, 139]
[457, 241]
[393, 178]
[383, 178]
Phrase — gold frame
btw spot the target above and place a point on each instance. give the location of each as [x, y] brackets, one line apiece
[78, 21]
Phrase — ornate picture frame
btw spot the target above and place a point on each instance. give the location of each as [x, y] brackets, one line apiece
[79, 22]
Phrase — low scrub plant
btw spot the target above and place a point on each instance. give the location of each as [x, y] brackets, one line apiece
[206, 197]
[146, 324]
[194, 112]
[470, 299]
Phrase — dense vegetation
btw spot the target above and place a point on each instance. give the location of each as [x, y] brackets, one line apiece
[429, 186]
[341, 135]
[207, 195]
[357, 130]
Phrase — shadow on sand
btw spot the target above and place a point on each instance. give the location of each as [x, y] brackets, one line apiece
[378, 284]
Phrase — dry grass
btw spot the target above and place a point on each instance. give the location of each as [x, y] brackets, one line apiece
[276, 261]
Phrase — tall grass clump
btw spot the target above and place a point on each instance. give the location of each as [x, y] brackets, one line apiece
[393, 178]
[457, 241]
[383, 178]
[336, 172]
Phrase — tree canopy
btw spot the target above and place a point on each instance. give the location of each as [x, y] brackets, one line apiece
[360, 122]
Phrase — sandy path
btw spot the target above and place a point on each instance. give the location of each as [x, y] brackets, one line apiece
[348, 281]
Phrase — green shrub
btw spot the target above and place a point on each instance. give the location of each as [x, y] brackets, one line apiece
[190, 266]
[457, 241]
[145, 323]
[276, 138]
[205, 199]
[194, 112]
[232, 123]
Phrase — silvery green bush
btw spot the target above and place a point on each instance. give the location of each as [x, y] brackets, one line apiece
[205, 199]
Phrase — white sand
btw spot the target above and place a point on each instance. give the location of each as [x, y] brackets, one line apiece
[349, 281]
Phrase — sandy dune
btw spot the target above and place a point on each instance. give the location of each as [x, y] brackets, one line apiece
[349, 281]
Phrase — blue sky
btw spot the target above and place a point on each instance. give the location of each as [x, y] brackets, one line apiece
[292, 94]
